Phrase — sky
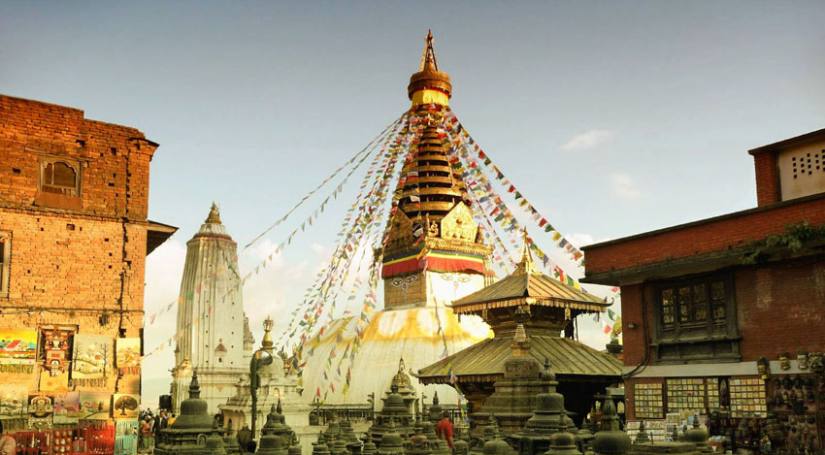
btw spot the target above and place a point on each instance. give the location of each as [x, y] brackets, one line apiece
[613, 118]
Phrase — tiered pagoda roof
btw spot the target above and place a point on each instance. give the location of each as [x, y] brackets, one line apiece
[527, 286]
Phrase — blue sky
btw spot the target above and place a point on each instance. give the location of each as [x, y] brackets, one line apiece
[612, 117]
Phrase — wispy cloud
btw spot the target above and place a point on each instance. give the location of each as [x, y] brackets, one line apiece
[588, 140]
[624, 186]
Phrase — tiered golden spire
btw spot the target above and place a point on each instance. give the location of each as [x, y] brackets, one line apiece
[430, 188]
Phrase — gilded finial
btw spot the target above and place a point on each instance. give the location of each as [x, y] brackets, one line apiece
[214, 216]
[428, 62]
[526, 264]
[429, 85]
[267, 342]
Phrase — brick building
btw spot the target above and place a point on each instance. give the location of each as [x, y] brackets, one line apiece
[74, 236]
[724, 316]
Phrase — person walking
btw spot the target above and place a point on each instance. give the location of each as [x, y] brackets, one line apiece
[147, 437]
[444, 429]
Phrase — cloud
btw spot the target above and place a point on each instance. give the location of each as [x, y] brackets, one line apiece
[588, 140]
[624, 186]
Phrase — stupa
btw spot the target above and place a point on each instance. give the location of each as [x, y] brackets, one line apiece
[193, 428]
[395, 416]
[549, 417]
[433, 255]
[211, 331]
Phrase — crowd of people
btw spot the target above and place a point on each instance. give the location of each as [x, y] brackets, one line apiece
[150, 427]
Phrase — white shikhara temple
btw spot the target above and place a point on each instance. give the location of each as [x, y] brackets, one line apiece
[213, 334]
[213, 337]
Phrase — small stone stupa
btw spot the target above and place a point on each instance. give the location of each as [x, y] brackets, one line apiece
[610, 440]
[193, 432]
[396, 414]
[549, 417]
[276, 436]
[515, 394]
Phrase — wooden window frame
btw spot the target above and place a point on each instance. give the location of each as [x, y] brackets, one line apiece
[688, 335]
[45, 161]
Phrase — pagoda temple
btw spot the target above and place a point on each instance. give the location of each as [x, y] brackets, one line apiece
[212, 335]
[550, 308]
[433, 255]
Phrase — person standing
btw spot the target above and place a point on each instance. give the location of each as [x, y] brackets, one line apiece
[8, 446]
[444, 429]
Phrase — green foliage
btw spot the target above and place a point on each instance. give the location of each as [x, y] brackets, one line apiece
[794, 239]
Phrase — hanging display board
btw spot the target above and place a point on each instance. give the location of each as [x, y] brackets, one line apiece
[686, 394]
[647, 399]
[747, 397]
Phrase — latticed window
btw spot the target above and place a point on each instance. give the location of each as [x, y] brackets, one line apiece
[696, 319]
[694, 304]
[59, 177]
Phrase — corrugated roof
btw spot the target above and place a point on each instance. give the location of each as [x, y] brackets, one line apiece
[486, 358]
[540, 287]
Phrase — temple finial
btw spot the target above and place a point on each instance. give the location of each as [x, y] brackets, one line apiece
[429, 85]
[214, 216]
[428, 61]
[526, 264]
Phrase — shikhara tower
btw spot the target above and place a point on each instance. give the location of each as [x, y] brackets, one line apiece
[433, 255]
[212, 331]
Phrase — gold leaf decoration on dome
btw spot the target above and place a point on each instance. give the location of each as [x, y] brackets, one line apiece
[458, 224]
[401, 230]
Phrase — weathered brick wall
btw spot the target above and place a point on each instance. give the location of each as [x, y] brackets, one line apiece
[767, 178]
[780, 308]
[73, 260]
[113, 159]
[705, 236]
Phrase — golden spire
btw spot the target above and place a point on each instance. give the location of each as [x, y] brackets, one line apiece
[214, 216]
[429, 85]
[526, 264]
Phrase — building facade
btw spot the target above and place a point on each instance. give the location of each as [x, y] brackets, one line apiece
[723, 316]
[74, 236]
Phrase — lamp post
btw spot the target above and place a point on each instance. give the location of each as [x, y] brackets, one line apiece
[261, 358]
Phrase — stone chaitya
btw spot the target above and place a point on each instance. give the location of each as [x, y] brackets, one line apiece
[549, 417]
[610, 440]
[276, 436]
[394, 416]
[193, 433]
[516, 393]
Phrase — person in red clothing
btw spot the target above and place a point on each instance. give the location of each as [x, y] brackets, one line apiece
[444, 429]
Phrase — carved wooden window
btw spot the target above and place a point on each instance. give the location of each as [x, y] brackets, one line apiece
[693, 304]
[5, 266]
[695, 319]
[60, 177]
